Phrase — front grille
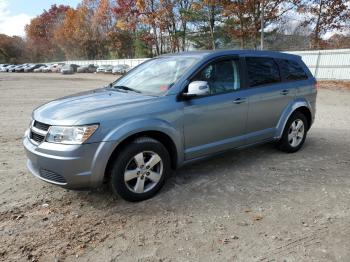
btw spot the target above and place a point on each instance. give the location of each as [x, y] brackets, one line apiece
[36, 137]
[41, 126]
[52, 176]
[38, 131]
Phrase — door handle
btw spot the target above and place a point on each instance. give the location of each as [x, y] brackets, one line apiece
[239, 100]
[285, 92]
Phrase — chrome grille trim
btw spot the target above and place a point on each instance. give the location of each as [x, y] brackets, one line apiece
[38, 131]
[41, 126]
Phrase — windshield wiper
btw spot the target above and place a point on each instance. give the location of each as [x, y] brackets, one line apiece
[125, 88]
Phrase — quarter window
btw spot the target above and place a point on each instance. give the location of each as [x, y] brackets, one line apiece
[291, 70]
[262, 71]
[221, 76]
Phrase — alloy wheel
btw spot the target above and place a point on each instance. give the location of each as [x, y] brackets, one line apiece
[296, 133]
[143, 172]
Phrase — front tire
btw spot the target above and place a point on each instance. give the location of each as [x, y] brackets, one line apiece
[140, 170]
[294, 133]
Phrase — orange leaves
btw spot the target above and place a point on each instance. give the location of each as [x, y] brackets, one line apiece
[107, 28]
[12, 49]
[102, 16]
[127, 14]
[141, 5]
[74, 32]
[41, 31]
[121, 24]
[243, 17]
[196, 7]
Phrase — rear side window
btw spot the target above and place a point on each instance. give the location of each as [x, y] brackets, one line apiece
[262, 71]
[292, 71]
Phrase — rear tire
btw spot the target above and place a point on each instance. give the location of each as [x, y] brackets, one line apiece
[140, 170]
[294, 133]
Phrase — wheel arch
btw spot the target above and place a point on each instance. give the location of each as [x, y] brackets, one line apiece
[307, 113]
[298, 106]
[160, 136]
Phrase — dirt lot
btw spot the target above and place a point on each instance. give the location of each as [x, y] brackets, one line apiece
[253, 205]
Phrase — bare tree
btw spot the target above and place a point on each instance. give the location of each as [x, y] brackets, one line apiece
[324, 15]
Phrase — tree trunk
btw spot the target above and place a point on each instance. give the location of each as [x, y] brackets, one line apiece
[212, 25]
[242, 38]
[156, 40]
[184, 30]
[317, 27]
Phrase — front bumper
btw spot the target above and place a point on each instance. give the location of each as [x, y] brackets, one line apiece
[69, 166]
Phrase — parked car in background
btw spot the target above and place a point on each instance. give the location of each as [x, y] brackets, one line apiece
[102, 68]
[47, 68]
[53, 68]
[87, 69]
[5, 67]
[57, 68]
[8, 68]
[108, 69]
[2, 66]
[32, 67]
[69, 69]
[40, 69]
[169, 111]
[120, 69]
[21, 68]
[13, 69]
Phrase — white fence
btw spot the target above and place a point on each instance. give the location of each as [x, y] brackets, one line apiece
[324, 64]
[327, 64]
[130, 62]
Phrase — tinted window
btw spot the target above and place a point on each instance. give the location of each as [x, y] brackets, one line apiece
[292, 70]
[222, 76]
[262, 71]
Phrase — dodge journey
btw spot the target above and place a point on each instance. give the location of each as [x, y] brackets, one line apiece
[166, 112]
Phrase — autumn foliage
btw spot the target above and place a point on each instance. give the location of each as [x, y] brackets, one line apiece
[41, 31]
[102, 29]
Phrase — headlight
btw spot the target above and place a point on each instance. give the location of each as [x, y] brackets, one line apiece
[70, 134]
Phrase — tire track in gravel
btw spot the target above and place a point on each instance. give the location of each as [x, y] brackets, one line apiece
[291, 245]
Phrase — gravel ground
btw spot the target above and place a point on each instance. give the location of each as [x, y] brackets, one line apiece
[257, 204]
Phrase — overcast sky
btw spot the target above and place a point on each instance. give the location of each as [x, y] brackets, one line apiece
[15, 14]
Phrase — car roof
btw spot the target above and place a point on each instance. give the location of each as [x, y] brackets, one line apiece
[217, 53]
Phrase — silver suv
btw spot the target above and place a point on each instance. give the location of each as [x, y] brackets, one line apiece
[166, 112]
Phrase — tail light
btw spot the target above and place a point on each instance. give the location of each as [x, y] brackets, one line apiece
[317, 85]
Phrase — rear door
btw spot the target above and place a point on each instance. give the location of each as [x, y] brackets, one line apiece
[268, 97]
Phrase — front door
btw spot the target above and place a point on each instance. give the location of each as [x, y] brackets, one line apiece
[217, 121]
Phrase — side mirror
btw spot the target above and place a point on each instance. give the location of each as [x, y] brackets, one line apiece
[197, 88]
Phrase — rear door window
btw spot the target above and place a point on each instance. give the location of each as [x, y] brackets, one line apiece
[291, 70]
[262, 71]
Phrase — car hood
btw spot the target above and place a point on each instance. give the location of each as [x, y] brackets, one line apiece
[85, 106]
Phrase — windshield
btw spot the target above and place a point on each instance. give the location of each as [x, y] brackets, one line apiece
[156, 76]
